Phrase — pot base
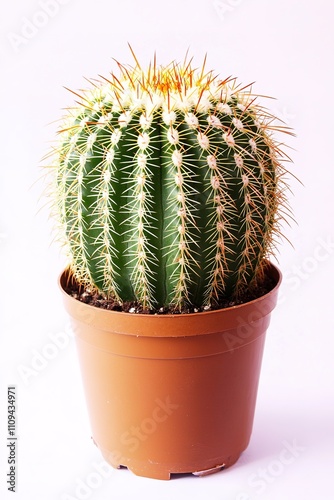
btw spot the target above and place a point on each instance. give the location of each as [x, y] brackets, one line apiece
[164, 472]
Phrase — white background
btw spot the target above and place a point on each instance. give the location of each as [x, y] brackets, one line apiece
[286, 47]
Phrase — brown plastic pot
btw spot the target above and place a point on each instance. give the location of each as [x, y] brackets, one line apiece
[171, 393]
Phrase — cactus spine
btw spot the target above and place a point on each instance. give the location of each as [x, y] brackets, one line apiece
[169, 187]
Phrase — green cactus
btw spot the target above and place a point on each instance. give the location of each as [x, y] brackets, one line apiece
[169, 187]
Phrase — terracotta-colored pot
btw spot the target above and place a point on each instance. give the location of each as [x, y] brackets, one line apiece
[171, 393]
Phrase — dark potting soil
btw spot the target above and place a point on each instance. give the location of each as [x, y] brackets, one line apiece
[97, 300]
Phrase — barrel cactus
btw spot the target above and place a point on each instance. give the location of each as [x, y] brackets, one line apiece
[169, 187]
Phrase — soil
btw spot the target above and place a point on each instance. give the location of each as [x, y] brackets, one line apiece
[97, 300]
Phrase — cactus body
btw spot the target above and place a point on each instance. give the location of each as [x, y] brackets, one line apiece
[168, 187]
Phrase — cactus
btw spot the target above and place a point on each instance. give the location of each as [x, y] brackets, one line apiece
[169, 187]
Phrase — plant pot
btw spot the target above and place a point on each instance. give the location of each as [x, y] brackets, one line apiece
[170, 394]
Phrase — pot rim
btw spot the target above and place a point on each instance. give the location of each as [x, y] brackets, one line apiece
[187, 324]
[274, 270]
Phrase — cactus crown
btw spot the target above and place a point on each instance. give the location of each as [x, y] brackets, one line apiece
[169, 187]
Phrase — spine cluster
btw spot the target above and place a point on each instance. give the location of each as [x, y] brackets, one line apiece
[169, 187]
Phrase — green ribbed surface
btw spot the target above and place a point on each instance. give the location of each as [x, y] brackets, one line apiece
[167, 213]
